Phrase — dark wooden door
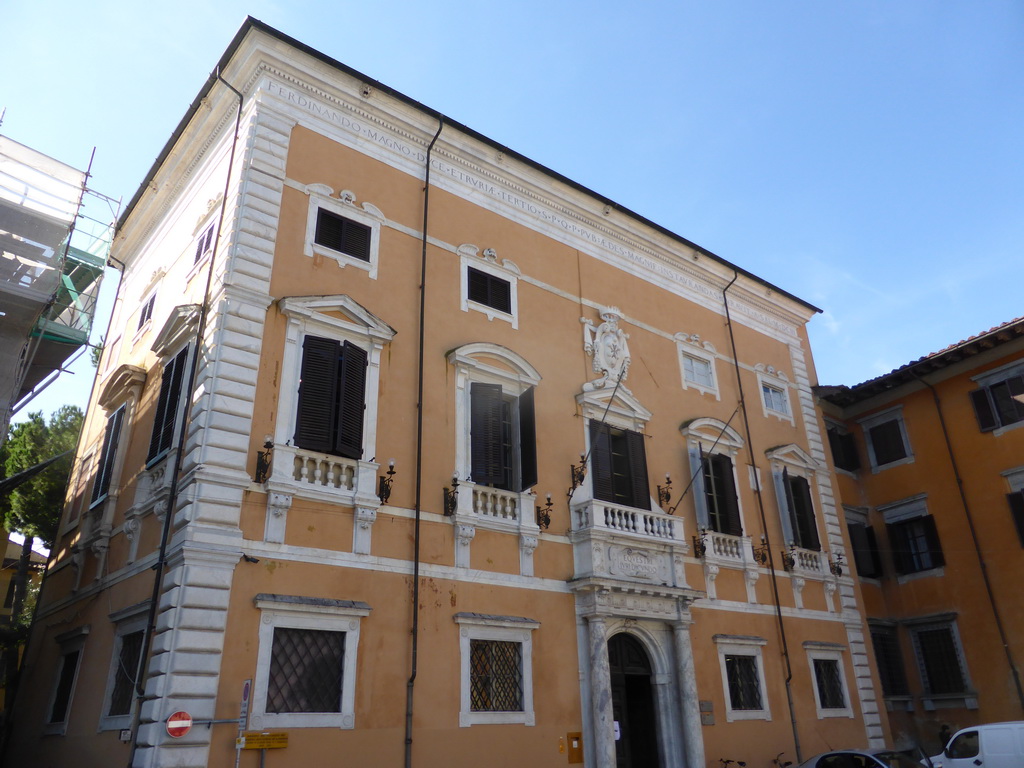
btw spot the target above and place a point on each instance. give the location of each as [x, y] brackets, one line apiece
[632, 704]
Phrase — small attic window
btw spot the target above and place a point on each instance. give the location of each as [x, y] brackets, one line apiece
[342, 234]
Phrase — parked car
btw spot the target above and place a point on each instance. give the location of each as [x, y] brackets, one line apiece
[993, 745]
[861, 758]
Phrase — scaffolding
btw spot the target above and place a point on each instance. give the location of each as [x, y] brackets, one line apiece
[55, 236]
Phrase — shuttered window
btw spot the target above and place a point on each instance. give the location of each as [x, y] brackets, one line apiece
[619, 466]
[204, 244]
[490, 290]
[720, 495]
[999, 404]
[101, 485]
[801, 511]
[332, 397]
[341, 234]
[915, 545]
[1016, 500]
[887, 442]
[167, 407]
[865, 550]
[844, 449]
[503, 441]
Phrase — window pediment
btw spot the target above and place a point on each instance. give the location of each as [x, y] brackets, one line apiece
[176, 329]
[118, 383]
[622, 408]
[792, 455]
[495, 361]
[339, 312]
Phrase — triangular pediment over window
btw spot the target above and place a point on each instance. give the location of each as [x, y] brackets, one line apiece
[622, 407]
[792, 455]
[179, 326]
[341, 312]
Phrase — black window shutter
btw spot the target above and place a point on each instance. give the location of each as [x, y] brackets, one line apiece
[876, 560]
[983, 410]
[887, 441]
[167, 405]
[1009, 403]
[865, 550]
[731, 506]
[932, 537]
[601, 461]
[341, 234]
[101, 485]
[317, 411]
[484, 288]
[803, 514]
[640, 489]
[352, 401]
[527, 441]
[485, 434]
[1016, 500]
[901, 559]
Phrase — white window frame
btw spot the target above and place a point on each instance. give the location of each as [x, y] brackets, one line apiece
[486, 363]
[767, 376]
[798, 463]
[889, 414]
[690, 346]
[315, 614]
[708, 437]
[345, 206]
[743, 645]
[127, 621]
[828, 652]
[503, 269]
[68, 642]
[307, 317]
[509, 629]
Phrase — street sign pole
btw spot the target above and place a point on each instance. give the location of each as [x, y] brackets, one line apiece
[243, 719]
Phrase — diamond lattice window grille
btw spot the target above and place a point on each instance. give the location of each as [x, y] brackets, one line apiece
[124, 676]
[830, 686]
[744, 682]
[496, 680]
[306, 670]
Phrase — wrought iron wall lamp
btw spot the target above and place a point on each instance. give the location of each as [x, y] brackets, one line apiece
[665, 492]
[544, 515]
[577, 472]
[263, 459]
[836, 565]
[761, 552]
[451, 495]
[384, 486]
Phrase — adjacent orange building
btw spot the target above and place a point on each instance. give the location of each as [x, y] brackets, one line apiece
[406, 449]
[930, 468]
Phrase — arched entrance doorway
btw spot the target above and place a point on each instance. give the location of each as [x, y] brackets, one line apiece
[633, 703]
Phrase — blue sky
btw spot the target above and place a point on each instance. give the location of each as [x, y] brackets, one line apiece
[864, 155]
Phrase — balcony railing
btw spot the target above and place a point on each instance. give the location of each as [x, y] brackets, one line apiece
[597, 515]
[323, 470]
[495, 504]
[727, 548]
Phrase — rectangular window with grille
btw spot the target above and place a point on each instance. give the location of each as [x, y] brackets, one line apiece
[341, 234]
[890, 661]
[496, 676]
[123, 690]
[306, 670]
[829, 683]
[939, 657]
[744, 682]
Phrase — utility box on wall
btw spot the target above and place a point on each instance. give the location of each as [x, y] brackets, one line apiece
[575, 752]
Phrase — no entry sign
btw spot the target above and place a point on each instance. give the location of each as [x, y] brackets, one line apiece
[179, 724]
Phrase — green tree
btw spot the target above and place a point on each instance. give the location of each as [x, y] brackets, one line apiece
[33, 507]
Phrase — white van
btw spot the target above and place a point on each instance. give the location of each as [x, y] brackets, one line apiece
[994, 745]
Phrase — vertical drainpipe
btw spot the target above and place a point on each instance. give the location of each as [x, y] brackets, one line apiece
[410, 686]
[179, 450]
[764, 528]
[974, 538]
